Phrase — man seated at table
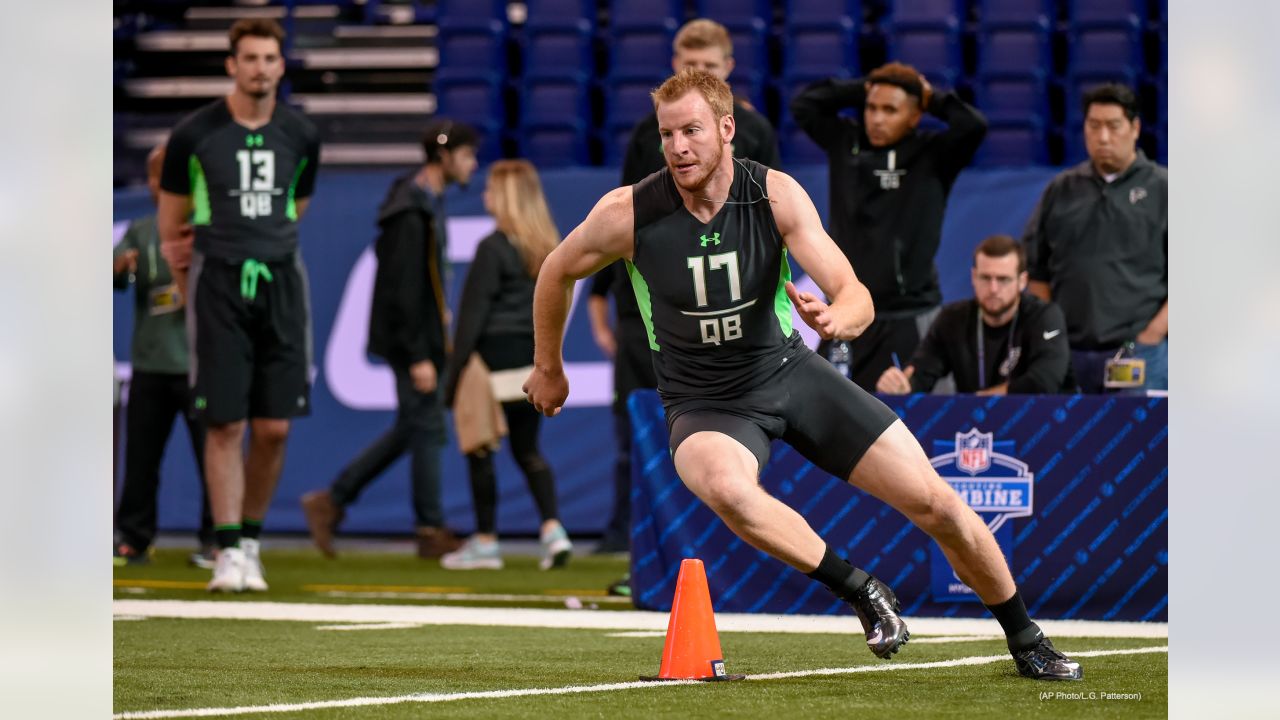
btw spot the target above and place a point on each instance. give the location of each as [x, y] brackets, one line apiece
[1003, 340]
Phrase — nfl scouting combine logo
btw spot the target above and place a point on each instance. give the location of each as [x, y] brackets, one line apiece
[996, 485]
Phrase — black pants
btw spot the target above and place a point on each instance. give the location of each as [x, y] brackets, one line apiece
[522, 423]
[618, 531]
[154, 400]
[419, 430]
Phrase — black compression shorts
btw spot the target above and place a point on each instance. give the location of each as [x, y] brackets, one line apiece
[825, 417]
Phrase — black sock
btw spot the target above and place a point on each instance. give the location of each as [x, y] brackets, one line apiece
[836, 573]
[251, 529]
[228, 536]
[1019, 630]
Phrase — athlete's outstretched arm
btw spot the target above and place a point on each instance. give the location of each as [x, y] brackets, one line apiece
[606, 235]
[850, 311]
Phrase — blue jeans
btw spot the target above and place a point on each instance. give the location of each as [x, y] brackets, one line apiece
[1090, 367]
[419, 431]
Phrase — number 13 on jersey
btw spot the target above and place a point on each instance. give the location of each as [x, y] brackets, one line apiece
[257, 181]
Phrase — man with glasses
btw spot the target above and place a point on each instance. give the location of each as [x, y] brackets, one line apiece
[1004, 340]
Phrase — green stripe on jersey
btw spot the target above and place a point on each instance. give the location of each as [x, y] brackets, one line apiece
[642, 299]
[781, 303]
[202, 213]
[290, 208]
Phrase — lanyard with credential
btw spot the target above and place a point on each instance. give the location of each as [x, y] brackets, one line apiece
[982, 348]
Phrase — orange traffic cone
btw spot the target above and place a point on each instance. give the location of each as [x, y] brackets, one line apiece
[692, 650]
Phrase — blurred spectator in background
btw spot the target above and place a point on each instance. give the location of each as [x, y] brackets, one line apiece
[495, 319]
[889, 188]
[1004, 340]
[157, 387]
[241, 170]
[1098, 244]
[703, 45]
[408, 328]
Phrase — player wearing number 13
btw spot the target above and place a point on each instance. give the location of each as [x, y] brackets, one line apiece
[240, 170]
[706, 242]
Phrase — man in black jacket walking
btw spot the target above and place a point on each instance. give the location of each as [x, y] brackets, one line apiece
[889, 187]
[407, 328]
[1002, 341]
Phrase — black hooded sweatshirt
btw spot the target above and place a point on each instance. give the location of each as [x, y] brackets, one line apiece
[406, 323]
[887, 203]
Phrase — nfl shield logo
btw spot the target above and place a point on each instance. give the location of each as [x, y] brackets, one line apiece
[973, 451]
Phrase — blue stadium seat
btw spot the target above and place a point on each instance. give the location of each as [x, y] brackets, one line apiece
[551, 146]
[1008, 98]
[640, 54]
[464, 97]
[1016, 52]
[810, 54]
[936, 53]
[993, 14]
[559, 14]
[797, 149]
[809, 14]
[735, 14]
[476, 53]
[558, 52]
[1083, 14]
[751, 63]
[615, 140]
[555, 102]
[1013, 144]
[626, 102]
[1114, 51]
[470, 14]
[926, 14]
[629, 15]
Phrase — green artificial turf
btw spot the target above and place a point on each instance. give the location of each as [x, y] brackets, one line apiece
[178, 664]
[190, 663]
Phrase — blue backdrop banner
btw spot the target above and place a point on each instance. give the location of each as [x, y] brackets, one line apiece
[1074, 486]
[353, 397]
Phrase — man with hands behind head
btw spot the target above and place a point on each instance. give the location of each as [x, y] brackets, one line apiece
[889, 187]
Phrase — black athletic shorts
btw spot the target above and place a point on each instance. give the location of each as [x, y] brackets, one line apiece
[808, 404]
[249, 330]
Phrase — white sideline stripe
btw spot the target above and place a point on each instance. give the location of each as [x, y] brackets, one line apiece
[372, 626]
[638, 634]
[596, 619]
[952, 639]
[572, 689]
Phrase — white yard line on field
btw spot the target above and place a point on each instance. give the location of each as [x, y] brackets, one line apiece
[595, 619]
[572, 689]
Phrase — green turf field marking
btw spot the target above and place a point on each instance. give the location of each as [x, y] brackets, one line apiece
[160, 584]
[372, 626]
[389, 588]
[482, 597]
[573, 689]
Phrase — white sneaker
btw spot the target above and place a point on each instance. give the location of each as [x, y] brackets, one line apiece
[253, 570]
[228, 571]
[473, 555]
[556, 548]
